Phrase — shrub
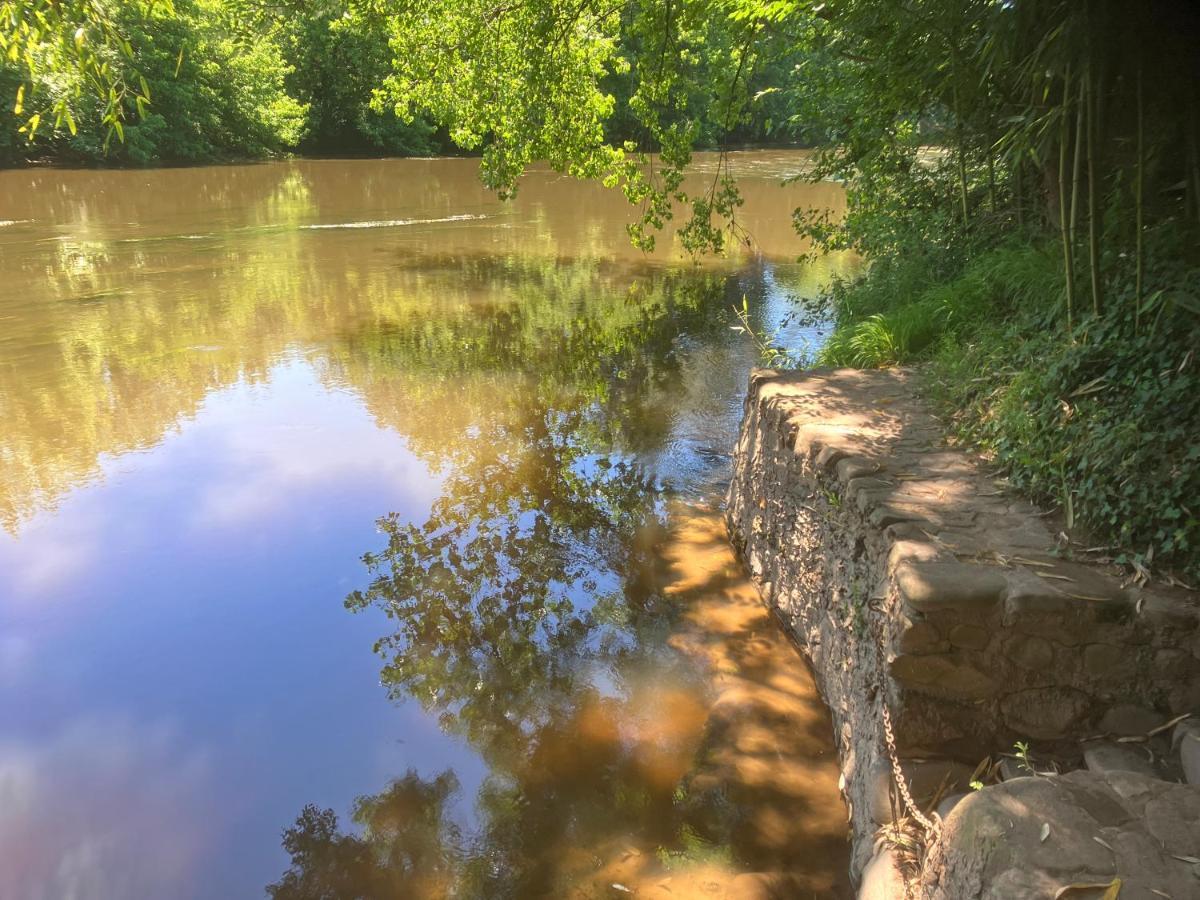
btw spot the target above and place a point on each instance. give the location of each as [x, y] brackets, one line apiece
[1102, 420]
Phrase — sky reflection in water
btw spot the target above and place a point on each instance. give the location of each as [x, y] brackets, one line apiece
[208, 403]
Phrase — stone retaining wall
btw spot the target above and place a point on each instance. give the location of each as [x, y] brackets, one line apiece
[906, 572]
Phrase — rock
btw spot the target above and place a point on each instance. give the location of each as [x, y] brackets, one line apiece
[885, 514]
[931, 586]
[1184, 698]
[851, 467]
[881, 878]
[919, 636]
[1032, 836]
[970, 637]
[925, 778]
[911, 552]
[1029, 594]
[1011, 768]
[1186, 741]
[1102, 757]
[947, 805]
[1106, 661]
[941, 676]
[1031, 652]
[1046, 713]
[1161, 613]
[1171, 664]
[1172, 817]
[906, 531]
[1127, 719]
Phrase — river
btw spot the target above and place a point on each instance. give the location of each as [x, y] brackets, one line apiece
[360, 531]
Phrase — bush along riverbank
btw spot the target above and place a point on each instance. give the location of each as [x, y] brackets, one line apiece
[1099, 417]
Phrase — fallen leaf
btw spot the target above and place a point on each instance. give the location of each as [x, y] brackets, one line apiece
[1112, 890]
[1045, 833]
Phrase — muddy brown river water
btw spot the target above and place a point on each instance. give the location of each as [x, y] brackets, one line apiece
[360, 536]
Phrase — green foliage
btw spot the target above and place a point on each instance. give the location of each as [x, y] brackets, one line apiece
[214, 79]
[542, 81]
[209, 90]
[335, 67]
[79, 47]
[1100, 422]
[900, 310]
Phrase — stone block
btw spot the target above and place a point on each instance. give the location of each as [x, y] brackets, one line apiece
[1159, 613]
[919, 636]
[881, 878]
[1031, 652]
[1127, 719]
[1109, 663]
[1027, 593]
[970, 637]
[1103, 757]
[1186, 742]
[1170, 663]
[905, 551]
[851, 467]
[886, 514]
[906, 531]
[942, 676]
[1047, 713]
[929, 586]
[1184, 698]
[827, 457]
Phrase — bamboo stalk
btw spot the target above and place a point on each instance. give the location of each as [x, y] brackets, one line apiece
[1020, 194]
[1093, 210]
[1139, 244]
[1063, 226]
[1076, 166]
[991, 182]
[962, 160]
[958, 129]
[1193, 155]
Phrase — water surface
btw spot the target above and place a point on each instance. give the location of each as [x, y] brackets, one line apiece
[359, 531]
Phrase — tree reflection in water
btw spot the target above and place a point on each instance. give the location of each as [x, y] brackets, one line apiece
[529, 617]
[408, 848]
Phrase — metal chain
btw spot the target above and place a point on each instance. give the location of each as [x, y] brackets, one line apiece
[931, 826]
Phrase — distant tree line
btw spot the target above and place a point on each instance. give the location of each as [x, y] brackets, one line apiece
[160, 81]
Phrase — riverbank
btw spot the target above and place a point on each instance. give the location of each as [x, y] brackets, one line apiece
[1094, 417]
[926, 591]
